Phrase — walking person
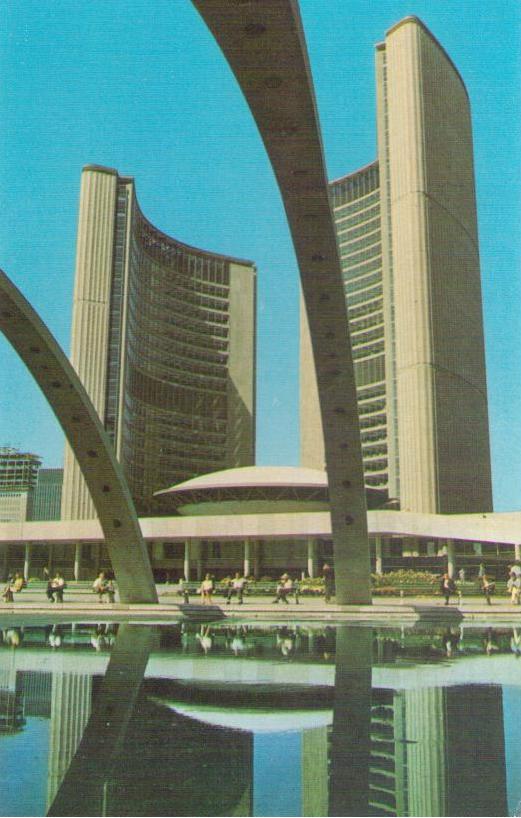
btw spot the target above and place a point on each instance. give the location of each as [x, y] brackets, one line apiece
[488, 588]
[48, 590]
[327, 573]
[110, 590]
[99, 586]
[447, 587]
[7, 593]
[283, 589]
[58, 586]
[514, 586]
[183, 590]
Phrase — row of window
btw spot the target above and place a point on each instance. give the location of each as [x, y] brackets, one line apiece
[373, 321]
[367, 393]
[361, 336]
[363, 282]
[373, 421]
[371, 370]
[372, 307]
[365, 295]
[355, 186]
[370, 407]
[366, 350]
[349, 272]
[363, 214]
[374, 434]
[351, 244]
[363, 255]
[191, 263]
[369, 224]
[171, 354]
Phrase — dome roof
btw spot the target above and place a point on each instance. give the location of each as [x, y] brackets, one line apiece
[255, 490]
[250, 490]
[253, 477]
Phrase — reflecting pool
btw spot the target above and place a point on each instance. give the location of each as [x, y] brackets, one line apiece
[260, 719]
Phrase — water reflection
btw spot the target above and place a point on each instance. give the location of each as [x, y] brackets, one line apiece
[83, 788]
[260, 720]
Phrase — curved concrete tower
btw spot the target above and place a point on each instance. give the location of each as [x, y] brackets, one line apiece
[407, 235]
[433, 275]
[163, 339]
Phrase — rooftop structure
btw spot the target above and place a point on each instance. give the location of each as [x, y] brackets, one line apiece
[18, 476]
[18, 470]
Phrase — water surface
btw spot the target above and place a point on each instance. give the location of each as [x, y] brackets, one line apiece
[260, 720]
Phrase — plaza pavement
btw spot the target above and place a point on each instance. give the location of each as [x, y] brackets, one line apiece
[81, 604]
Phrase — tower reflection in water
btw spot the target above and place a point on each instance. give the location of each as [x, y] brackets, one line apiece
[257, 722]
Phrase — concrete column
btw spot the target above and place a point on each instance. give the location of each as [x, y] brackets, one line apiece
[312, 558]
[197, 548]
[256, 559]
[246, 570]
[50, 560]
[378, 548]
[186, 563]
[27, 559]
[97, 558]
[77, 561]
[451, 560]
[431, 549]
[4, 562]
[517, 552]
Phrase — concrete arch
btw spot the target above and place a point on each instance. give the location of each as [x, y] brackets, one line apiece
[73, 408]
[265, 47]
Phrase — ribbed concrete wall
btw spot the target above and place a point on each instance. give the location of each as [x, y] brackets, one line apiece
[441, 392]
[241, 366]
[387, 275]
[90, 318]
[426, 751]
[71, 701]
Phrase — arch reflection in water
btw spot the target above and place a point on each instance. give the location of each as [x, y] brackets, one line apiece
[83, 789]
[263, 720]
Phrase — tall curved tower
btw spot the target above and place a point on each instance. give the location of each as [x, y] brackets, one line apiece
[420, 372]
[163, 338]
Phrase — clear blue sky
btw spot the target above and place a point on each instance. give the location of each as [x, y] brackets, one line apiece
[142, 87]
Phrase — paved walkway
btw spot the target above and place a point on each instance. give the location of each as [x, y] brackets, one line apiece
[82, 604]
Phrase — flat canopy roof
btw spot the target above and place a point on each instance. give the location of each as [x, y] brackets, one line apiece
[504, 527]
